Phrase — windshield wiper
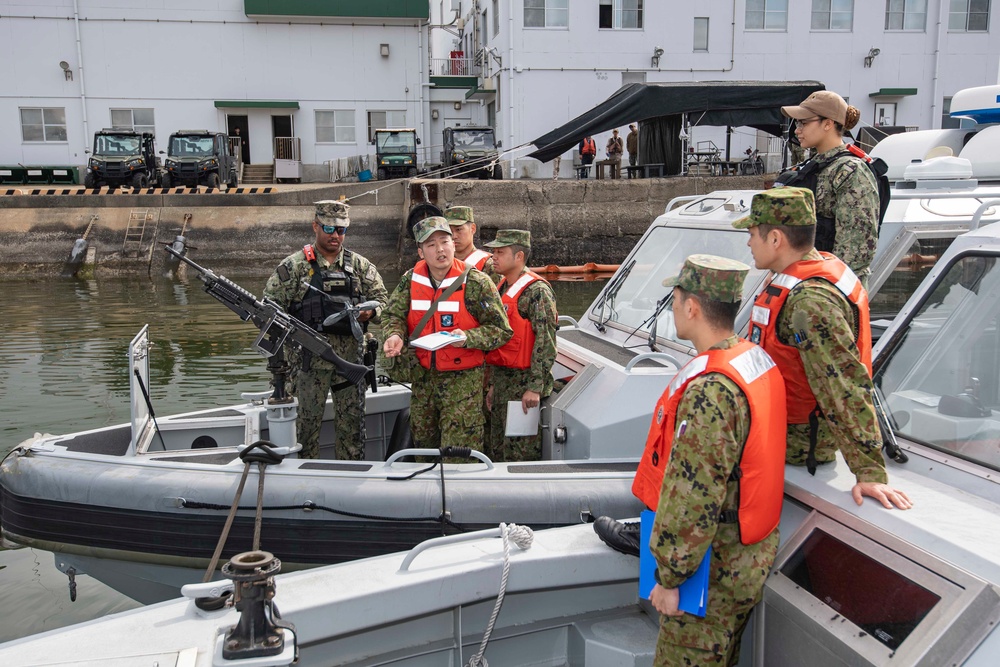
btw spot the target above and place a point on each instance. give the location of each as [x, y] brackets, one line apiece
[609, 294]
[661, 305]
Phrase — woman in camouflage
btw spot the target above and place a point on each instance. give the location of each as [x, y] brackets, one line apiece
[847, 201]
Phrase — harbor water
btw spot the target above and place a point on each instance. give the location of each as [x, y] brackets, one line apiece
[63, 368]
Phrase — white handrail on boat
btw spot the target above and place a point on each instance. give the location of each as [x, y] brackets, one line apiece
[476, 454]
[974, 224]
[567, 318]
[652, 355]
[522, 536]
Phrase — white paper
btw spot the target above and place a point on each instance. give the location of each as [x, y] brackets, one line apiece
[436, 341]
[520, 424]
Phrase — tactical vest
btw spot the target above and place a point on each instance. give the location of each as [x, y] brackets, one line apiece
[764, 322]
[515, 353]
[478, 258]
[451, 314]
[341, 289]
[760, 472]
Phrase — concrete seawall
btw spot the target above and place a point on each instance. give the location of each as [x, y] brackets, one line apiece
[571, 222]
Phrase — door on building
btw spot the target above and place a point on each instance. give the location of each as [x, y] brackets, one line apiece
[885, 114]
[282, 130]
[238, 126]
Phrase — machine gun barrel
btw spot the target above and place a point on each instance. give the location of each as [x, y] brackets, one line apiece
[277, 327]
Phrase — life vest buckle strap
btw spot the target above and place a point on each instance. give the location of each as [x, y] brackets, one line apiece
[729, 516]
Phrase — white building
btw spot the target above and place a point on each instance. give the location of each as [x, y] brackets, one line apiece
[326, 73]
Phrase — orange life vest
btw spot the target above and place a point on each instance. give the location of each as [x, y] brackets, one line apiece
[451, 314]
[761, 469]
[478, 258]
[589, 147]
[764, 322]
[515, 353]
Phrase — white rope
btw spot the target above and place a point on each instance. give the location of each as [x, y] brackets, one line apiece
[523, 537]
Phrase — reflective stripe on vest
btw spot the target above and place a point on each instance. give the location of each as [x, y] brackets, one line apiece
[762, 461]
[478, 258]
[450, 314]
[515, 353]
[764, 323]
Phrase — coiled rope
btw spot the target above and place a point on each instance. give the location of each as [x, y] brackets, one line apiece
[523, 537]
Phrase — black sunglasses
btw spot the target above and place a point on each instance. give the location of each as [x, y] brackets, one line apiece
[330, 229]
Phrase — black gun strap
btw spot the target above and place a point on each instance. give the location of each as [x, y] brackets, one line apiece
[452, 288]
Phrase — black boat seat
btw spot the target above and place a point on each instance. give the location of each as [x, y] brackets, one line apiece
[401, 437]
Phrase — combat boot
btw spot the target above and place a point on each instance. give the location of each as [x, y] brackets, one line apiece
[620, 536]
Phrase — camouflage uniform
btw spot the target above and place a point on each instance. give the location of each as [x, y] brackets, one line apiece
[287, 286]
[446, 406]
[696, 488]
[838, 378]
[461, 215]
[847, 191]
[537, 304]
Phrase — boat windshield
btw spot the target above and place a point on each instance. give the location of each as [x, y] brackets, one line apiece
[630, 302]
[940, 374]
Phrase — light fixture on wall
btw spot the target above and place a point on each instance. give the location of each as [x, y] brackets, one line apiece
[384, 50]
[655, 60]
[458, 106]
[67, 72]
[870, 58]
[434, 114]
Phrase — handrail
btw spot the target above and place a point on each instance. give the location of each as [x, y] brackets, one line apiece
[978, 215]
[435, 452]
[652, 355]
[567, 318]
[522, 536]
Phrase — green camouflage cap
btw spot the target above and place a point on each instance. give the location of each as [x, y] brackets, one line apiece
[423, 229]
[333, 212]
[458, 215]
[711, 277]
[787, 207]
[507, 237]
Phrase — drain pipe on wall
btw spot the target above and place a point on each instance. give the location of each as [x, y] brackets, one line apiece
[510, 78]
[936, 115]
[83, 89]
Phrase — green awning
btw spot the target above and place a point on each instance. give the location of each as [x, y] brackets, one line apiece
[256, 104]
[893, 92]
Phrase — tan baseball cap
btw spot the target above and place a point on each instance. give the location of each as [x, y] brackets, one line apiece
[825, 103]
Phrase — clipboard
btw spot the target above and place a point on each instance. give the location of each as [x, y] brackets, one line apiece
[693, 591]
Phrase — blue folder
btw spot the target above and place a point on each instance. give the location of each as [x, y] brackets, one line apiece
[693, 591]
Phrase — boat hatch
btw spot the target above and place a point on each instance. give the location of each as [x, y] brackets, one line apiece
[138, 387]
[840, 596]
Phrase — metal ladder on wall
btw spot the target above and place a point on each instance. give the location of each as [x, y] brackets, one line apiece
[135, 231]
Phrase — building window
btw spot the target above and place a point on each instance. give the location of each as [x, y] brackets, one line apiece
[140, 120]
[381, 120]
[43, 124]
[832, 14]
[767, 14]
[949, 123]
[969, 15]
[335, 127]
[496, 18]
[701, 33]
[905, 14]
[546, 13]
[618, 14]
